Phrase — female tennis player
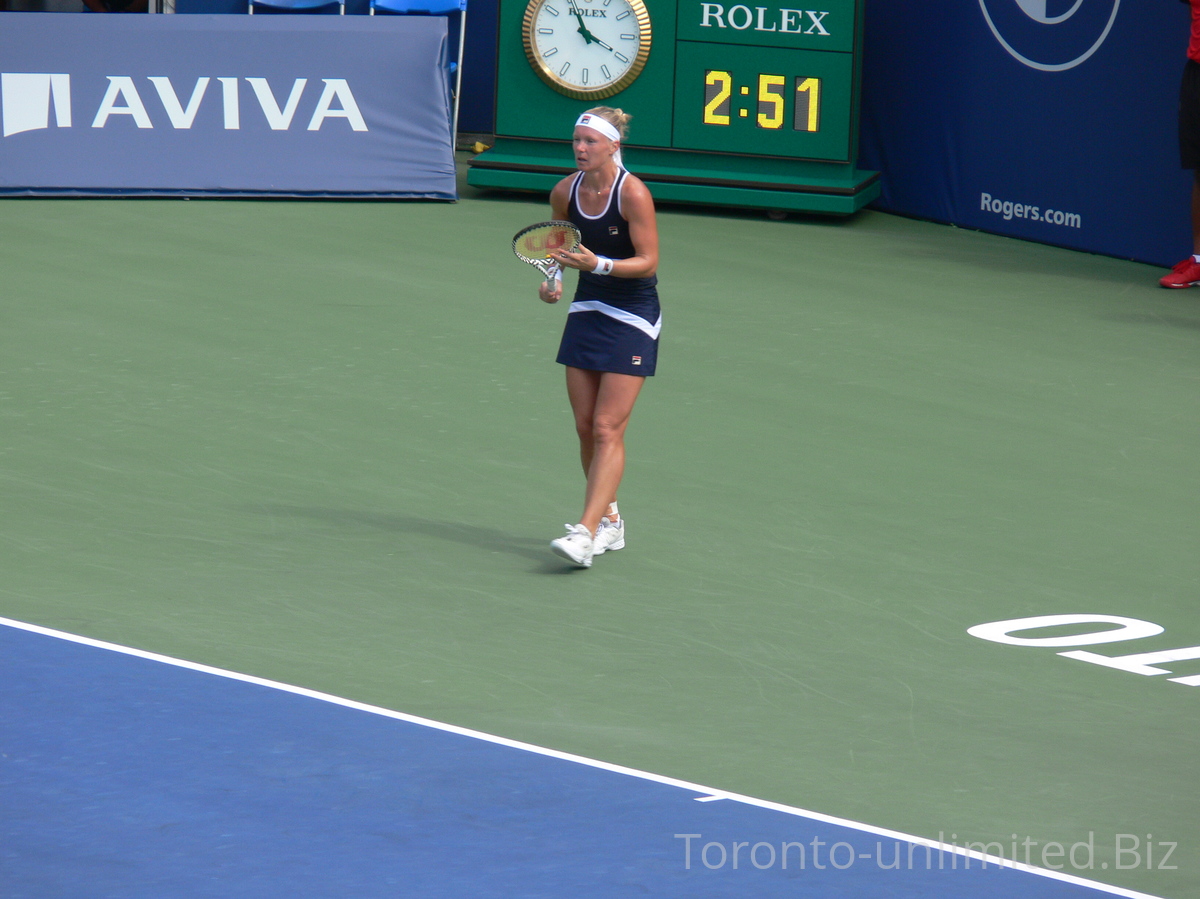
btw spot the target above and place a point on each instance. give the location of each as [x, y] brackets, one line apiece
[610, 342]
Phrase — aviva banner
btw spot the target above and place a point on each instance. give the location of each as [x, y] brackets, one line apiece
[225, 105]
[1049, 120]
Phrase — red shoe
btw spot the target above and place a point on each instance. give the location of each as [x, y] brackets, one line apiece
[1184, 274]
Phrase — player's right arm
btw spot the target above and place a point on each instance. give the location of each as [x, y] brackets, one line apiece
[560, 198]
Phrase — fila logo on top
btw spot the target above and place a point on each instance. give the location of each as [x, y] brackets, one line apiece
[26, 101]
[1050, 35]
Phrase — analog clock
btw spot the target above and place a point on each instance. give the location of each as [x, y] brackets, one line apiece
[587, 49]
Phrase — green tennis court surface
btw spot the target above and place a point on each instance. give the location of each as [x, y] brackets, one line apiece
[326, 444]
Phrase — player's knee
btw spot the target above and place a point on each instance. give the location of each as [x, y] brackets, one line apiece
[607, 430]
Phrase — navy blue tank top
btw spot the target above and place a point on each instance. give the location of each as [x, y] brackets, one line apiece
[607, 234]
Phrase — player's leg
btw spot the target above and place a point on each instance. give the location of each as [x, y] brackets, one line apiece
[601, 403]
[1196, 212]
[610, 416]
[1187, 272]
[583, 389]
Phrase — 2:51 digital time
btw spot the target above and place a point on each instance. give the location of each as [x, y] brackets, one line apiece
[771, 101]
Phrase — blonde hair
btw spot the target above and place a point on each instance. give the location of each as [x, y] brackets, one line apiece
[618, 118]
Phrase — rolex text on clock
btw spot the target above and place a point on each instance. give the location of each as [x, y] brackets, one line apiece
[587, 49]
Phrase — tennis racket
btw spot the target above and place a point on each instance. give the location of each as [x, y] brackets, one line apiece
[535, 244]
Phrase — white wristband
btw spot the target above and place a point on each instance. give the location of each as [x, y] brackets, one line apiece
[604, 265]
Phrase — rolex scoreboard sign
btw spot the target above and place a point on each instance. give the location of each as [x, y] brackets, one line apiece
[733, 104]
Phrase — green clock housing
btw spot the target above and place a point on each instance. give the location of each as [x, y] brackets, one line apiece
[735, 104]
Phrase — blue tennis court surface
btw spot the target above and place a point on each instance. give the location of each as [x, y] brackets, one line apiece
[126, 775]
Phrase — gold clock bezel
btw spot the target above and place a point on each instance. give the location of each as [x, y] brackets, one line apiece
[551, 78]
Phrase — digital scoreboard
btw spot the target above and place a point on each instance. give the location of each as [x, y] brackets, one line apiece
[735, 104]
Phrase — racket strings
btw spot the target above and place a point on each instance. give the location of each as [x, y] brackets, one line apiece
[537, 242]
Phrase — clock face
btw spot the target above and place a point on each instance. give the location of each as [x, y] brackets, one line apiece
[587, 49]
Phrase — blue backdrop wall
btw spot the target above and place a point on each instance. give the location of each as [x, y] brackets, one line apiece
[1051, 120]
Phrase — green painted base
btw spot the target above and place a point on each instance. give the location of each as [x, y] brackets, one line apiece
[708, 179]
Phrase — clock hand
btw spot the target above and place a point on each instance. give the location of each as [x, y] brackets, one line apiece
[582, 29]
[589, 37]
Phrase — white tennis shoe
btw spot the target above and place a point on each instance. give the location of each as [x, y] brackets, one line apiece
[577, 546]
[609, 536]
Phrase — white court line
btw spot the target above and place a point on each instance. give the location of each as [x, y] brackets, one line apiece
[709, 794]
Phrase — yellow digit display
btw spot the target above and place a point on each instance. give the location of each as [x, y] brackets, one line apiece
[718, 86]
[808, 104]
[770, 101]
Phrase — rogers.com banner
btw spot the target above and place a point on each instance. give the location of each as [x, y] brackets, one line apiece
[226, 105]
[1048, 120]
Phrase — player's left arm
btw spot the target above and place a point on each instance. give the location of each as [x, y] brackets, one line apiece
[638, 208]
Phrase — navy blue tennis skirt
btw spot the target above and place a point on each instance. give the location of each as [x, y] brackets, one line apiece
[601, 337]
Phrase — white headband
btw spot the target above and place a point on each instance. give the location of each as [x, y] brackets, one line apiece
[596, 123]
[605, 127]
